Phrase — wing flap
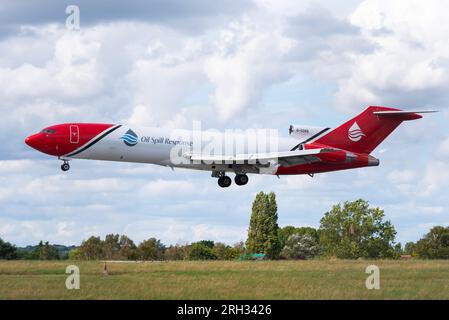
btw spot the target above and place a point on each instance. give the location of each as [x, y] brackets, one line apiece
[285, 158]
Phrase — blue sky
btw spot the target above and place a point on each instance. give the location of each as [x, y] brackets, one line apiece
[233, 64]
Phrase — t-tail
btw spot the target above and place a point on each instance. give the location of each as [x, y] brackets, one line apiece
[367, 130]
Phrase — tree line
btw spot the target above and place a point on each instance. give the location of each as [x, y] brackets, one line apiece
[120, 247]
[115, 247]
[350, 230]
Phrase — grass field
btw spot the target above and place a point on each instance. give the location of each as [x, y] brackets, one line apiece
[321, 279]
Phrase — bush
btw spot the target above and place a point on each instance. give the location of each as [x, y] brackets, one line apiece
[434, 245]
[300, 246]
[7, 250]
[75, 254]
[287, 231]
[224, 252]
[200, 251]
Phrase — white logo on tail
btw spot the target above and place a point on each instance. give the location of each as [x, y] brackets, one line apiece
[355, 133]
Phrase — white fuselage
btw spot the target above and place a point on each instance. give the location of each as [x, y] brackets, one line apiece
[167, 147]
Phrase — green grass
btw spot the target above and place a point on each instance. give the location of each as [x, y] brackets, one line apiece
[320, 279]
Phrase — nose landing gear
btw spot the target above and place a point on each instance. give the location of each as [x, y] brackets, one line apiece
[65, 166]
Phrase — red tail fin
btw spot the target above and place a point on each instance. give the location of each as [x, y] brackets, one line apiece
[367, 130]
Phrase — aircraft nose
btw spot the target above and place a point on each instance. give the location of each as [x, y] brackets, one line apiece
[33, 141]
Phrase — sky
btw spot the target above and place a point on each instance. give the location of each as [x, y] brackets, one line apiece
[229, 64]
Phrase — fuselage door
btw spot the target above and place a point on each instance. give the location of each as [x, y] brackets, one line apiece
[74, 134]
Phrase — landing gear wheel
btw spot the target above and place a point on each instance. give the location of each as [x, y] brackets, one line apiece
[65, 166]
[224, 181]
[241, 179]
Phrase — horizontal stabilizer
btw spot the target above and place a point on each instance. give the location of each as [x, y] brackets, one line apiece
[402, 114]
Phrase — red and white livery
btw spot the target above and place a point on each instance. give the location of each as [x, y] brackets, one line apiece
[306, 150]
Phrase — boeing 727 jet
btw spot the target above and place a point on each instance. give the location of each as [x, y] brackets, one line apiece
[306, 150]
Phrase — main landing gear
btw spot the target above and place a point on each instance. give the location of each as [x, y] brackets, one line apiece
[241, 179]
[224, 181]
[65, 166]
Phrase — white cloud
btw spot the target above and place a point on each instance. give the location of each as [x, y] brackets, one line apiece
[409, 66]
[70, 73]
[292, 7]
[165, 187]
[181, 231]
[402, 176]
[249, 61]
[436, 177]
[443, 149]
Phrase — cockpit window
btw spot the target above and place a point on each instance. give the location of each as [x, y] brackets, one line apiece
[48, 131]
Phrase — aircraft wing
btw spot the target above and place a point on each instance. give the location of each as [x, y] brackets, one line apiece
[284, 158]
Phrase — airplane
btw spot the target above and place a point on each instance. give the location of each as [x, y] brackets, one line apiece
[306, 150]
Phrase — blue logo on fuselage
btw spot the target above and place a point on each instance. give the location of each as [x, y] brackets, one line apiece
[129, 138]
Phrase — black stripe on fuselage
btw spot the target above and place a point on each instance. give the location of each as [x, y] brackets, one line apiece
[90, 144]
[311, 138]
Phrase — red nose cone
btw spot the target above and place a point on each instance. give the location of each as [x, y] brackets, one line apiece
[34, 141]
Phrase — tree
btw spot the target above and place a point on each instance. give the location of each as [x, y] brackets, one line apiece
[355, 230]
[91, 249]
[33, 254]
[7, 251]
[410, 248]
[272, 244]
[225, 252]
[43, 251]
[75, 254]
[285, 232]
[263, 227]
[176, 252]
[435, 244]
[239, 247]
[151, 249]
[220, 250]
[48, 252]
[128, 249]
[301, 246]
[111, 246]
[207, 243]
[201, 251]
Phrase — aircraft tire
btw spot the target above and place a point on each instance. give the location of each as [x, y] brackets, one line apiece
[224, 181]
[65, 167]
[241, 179]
